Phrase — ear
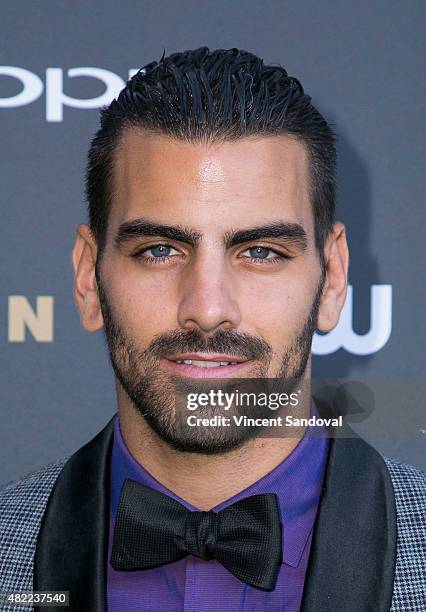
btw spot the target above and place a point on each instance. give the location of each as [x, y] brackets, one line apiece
[85, 286]
[333, 297]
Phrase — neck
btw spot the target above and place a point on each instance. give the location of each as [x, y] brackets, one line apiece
[203, 480]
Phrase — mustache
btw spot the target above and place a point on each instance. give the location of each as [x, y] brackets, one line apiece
[238, 344]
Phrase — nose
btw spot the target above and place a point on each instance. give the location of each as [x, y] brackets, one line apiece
[208, 298]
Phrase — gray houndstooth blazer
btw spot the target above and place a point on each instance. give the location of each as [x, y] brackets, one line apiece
[368, 552]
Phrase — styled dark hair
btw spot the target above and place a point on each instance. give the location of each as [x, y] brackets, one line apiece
[204, 95]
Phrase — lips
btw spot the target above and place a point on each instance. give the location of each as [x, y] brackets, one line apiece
[204, 366]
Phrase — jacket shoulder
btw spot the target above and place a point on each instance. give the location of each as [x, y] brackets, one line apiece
[22, 504]
[409, 484]
[404, 470]
[32, 478]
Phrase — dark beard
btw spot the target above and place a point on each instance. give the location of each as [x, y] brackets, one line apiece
[160, 396]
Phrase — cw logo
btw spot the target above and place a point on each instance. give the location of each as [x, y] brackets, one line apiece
[56, 98]
[40, 323]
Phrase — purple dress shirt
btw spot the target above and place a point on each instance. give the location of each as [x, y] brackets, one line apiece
[196, 585]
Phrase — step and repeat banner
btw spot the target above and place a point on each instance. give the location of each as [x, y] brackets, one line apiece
[362, 63]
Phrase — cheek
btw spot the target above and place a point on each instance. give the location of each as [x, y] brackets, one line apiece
[145, 304]
[276, 310]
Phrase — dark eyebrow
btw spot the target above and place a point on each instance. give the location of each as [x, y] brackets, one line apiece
[291, 232]
[140, 228]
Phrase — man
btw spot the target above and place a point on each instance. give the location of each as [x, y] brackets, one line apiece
[212, 255]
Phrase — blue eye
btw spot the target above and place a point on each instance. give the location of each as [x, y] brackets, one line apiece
[259, 252]
[161, 250]
[264, 255]
[158, 253]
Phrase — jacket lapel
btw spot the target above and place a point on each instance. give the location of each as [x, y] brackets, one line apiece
[71, 550]
[352, 561]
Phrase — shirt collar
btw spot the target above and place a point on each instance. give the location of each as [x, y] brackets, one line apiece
[297, 481]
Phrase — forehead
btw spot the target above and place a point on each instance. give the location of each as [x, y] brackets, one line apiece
[210, 186]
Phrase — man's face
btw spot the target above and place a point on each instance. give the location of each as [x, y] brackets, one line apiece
[209, 257]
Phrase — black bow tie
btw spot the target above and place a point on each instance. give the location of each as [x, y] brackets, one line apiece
[152, 529]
